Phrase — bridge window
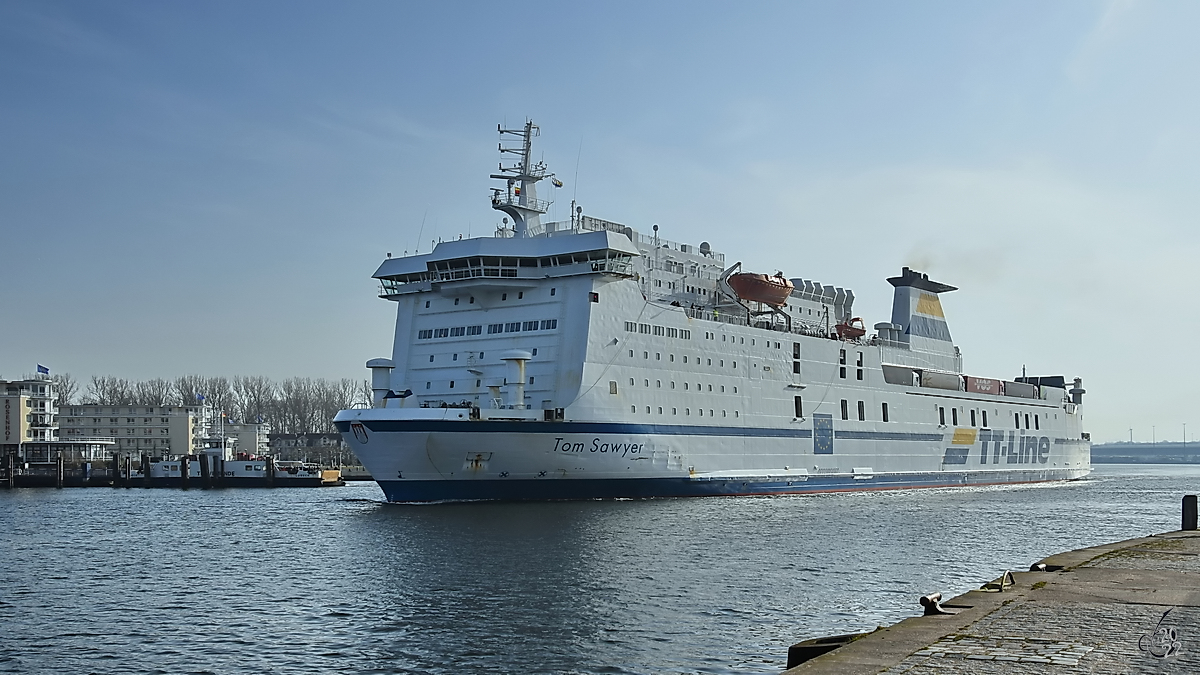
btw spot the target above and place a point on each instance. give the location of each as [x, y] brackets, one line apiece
[1036, 425]
[941, 416]
[954, 415]
[984, 418]
[972, 417]
[845, 409]
[885, 412]
[862, 411]
[799, 403]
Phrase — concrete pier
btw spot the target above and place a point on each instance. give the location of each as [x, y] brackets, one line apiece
[1132, 606]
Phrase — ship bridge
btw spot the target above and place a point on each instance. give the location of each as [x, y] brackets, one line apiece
[501, 263]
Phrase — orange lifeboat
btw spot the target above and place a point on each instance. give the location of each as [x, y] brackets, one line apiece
[854, 328]
[772, 291]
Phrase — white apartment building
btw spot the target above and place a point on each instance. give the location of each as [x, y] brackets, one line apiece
[157, 431]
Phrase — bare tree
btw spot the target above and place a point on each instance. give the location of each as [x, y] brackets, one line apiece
[218, 394]
[109, 390]
[295, 410]
[156, 392]
[332, 396]
[65, 389]
[253, 398]
[189, 389]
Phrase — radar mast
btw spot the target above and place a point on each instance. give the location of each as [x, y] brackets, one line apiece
[518, 198]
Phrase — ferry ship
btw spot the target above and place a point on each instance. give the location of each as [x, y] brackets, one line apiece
[587, 359]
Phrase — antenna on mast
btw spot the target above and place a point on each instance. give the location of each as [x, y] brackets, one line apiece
[518, 198]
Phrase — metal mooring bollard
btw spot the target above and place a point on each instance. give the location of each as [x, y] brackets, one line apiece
[1189, 512]
[933, 604]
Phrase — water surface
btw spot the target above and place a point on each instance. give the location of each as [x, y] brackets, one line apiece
[333, 580]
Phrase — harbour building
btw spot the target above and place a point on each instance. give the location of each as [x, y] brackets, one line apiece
[138, 429]
[31, 431]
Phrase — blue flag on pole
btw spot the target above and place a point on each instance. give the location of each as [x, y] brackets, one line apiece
[42, 370]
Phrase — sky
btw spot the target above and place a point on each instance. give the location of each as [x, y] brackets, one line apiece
[207, 187]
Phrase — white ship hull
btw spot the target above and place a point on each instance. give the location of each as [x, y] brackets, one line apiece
[452, 458]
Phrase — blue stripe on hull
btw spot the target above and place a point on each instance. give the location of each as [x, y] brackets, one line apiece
[550, 428]
[415, 491]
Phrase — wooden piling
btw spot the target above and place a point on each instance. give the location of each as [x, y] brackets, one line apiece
[146, 471]
[58, 473]
[205, 475]
[270, 472]
[184, 470]
[128, 471]
[11, 478]
[1189, 512]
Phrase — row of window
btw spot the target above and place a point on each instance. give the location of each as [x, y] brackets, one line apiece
[114, 420]
[735, 340]
[1037, 424]
[503, 297]
[686, 411]
[862, 410]
[845, 410]
[492, 329]
[478, 383]
[128, 432]
[687, 386]
[76, 411]
[671, 359]
[661, 331]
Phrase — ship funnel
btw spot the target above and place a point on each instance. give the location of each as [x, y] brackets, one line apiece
[917, 312]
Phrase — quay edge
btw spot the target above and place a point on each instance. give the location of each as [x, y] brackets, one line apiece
[1106, 602]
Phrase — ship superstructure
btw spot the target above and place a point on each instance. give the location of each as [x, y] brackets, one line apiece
[588, 359]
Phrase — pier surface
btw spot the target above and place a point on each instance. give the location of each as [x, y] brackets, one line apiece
[1128, 607]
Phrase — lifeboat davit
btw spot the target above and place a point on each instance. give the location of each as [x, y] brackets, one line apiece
[854, 328]
[772, 291]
